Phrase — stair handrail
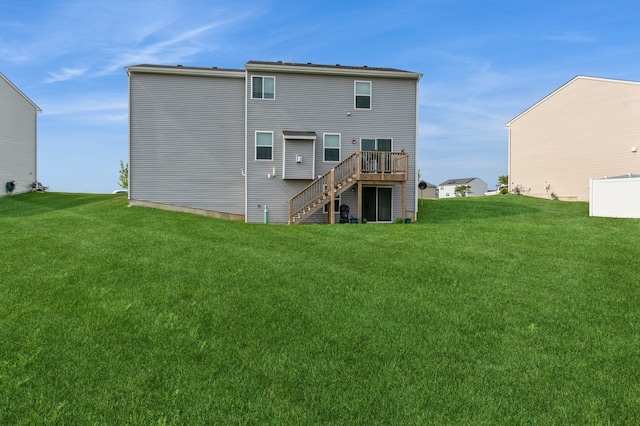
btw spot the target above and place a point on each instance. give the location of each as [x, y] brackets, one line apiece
[319, 189]
[322, 190]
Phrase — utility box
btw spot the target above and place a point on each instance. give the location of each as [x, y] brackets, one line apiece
[617, 196]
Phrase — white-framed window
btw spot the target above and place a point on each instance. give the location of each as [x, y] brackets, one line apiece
[263, 87]
[264, 145]
[331, 142]
[376, 144]
[362, 94]
[336, 204]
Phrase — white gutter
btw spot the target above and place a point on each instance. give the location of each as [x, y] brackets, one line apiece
[337, 70]
[202, 72]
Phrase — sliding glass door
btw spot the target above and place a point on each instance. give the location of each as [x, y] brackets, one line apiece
[376, 203]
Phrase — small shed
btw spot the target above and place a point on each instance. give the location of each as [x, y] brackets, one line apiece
[617, 196]
[427, 190]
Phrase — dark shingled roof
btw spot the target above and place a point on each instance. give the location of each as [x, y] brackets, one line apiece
[298, 133]
[189, 68]
[308, 65]
[336, 66]
[462, 181]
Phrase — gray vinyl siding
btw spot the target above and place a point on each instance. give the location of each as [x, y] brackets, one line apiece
[304, 169]
[18, 139]
[187, 141]
[320, 103]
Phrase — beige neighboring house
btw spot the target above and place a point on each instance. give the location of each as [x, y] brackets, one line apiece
[587, 129]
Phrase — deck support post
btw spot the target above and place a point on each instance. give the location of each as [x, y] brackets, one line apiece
[404, 200]
[331, 219]
[360, 200]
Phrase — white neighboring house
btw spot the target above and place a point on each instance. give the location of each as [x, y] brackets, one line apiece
[18, 139]
[448, 188]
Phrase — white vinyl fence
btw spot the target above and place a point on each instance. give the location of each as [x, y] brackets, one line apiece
[617, 196]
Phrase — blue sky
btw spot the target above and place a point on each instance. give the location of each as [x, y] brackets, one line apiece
[484, 62]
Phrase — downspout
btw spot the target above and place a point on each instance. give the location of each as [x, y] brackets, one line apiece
[129, 150]
[417, 148]
[35, 172]
[509, 179]
[246, 147]
[266, 215]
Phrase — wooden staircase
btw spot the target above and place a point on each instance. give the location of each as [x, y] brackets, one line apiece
[371, 166]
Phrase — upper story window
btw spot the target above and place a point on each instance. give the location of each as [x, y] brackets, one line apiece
[363, 94]
[263, 87]
[264, 145]
[331, 147]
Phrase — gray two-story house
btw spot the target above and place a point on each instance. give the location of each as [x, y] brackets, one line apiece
[275, 142]
[18, 139]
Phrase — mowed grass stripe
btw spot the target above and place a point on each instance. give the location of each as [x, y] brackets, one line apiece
[500, 309]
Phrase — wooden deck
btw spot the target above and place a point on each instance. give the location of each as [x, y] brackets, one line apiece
[370, 167]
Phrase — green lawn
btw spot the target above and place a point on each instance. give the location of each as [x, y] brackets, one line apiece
[495, 310]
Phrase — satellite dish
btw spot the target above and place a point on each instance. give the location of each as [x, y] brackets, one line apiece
[422, 185]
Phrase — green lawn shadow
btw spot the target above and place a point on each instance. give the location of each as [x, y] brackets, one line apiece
[38, 203]
[464, 209]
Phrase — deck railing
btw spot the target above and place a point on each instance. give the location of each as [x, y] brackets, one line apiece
[366, 165]
[382, 162]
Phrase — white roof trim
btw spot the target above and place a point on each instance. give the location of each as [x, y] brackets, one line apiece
[285, 68]
[272, 68]
[38, 110]
[579, 77]
[203, 72]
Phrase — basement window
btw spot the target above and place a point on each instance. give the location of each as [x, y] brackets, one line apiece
[336, 204]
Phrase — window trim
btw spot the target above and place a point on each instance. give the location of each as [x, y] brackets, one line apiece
[375, 139]
[337, 202]
[262, 77]
[324, 147]
[256, 145]
[355, 94]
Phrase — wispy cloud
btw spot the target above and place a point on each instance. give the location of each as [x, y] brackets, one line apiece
[95, 108]
[65, 74]
[572, 37]
[171, 50]
[95, 39]
[13, 54]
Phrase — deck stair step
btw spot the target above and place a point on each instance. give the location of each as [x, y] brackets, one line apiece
[366, 165]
